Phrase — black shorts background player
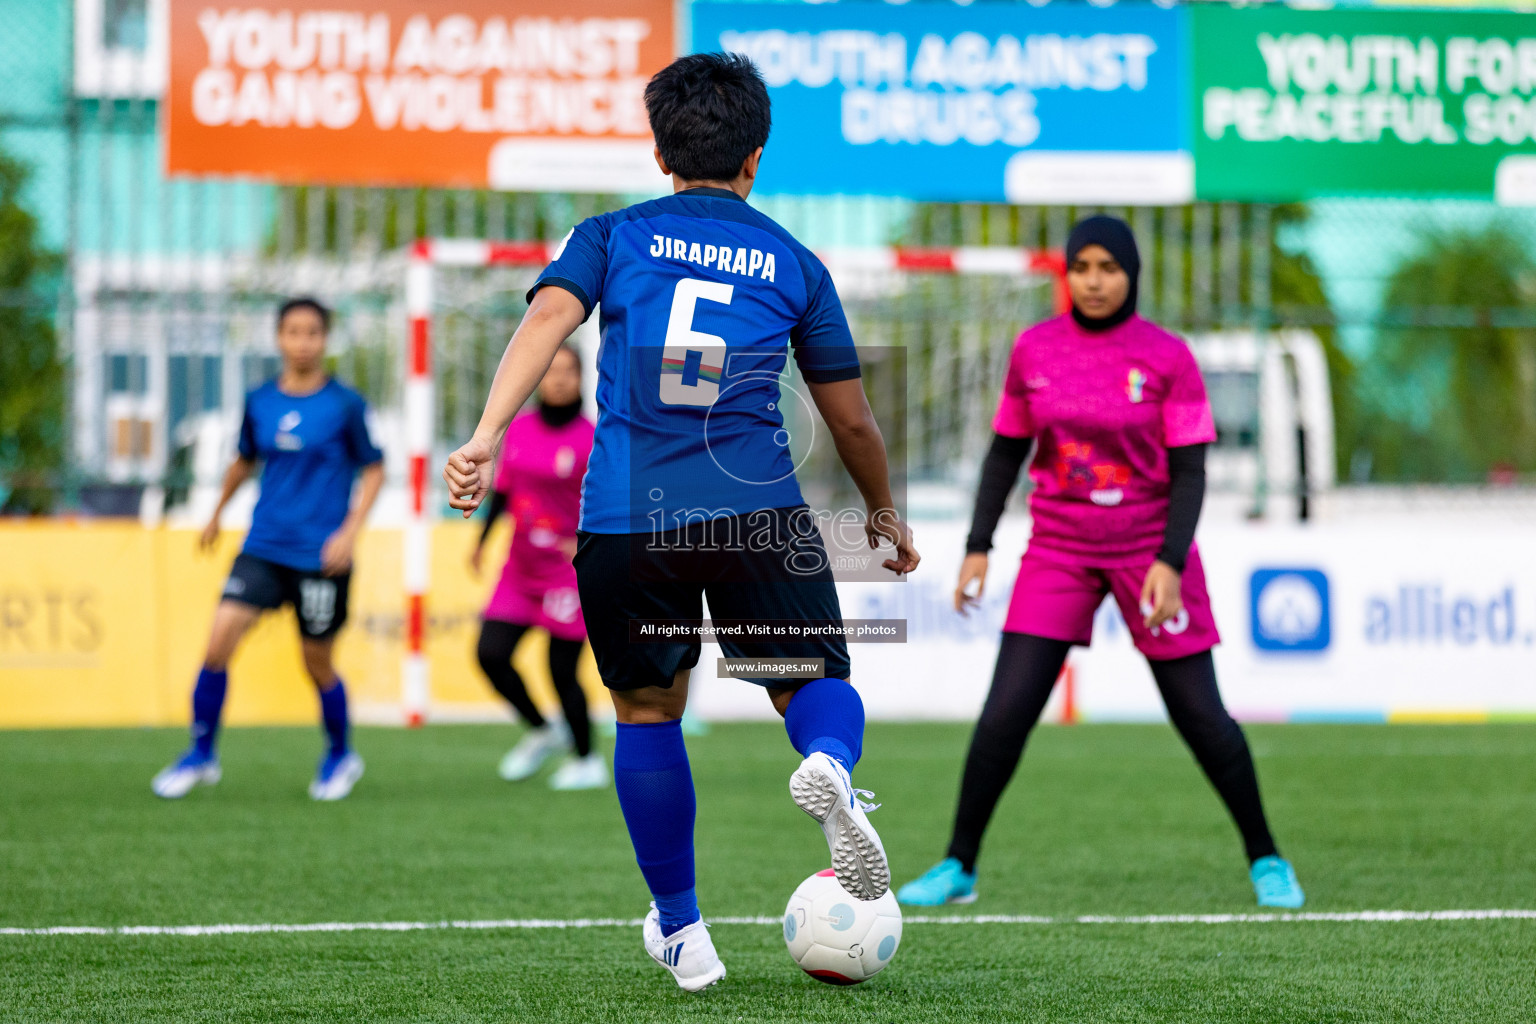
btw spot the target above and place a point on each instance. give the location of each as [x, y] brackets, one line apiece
[690, 493]
[310, 435]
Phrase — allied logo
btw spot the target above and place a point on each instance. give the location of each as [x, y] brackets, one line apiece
[1135, 383]
[1290, 610]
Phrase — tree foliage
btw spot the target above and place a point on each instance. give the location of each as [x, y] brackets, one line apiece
[32, 382]
[1297, 298]
[1455, 372]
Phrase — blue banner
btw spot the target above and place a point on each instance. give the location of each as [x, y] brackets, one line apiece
[986, 103]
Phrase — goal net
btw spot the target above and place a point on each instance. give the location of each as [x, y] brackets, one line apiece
[934, 328]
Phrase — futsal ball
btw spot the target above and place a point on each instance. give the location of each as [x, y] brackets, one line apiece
[836, 938]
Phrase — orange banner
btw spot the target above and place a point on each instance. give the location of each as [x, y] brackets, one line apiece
[541, 94]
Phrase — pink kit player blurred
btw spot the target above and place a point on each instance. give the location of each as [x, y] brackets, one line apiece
[1118, 415]
[538, 481]
[1106, 417]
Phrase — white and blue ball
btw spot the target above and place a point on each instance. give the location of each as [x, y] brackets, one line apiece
[836, 938]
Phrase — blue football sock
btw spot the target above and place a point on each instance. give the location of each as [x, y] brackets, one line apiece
[207, 706]
[333, 715]
[678, 910]
[827, 715]
[655, 787]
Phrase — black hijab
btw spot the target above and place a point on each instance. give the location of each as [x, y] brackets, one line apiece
[559, 415]
[1115, 236]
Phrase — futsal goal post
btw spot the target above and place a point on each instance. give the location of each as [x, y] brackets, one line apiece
[953, 311]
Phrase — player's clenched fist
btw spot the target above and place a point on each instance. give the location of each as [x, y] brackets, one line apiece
[468, 475]
[885, 524]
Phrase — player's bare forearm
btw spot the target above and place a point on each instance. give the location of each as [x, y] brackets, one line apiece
[856, 435]
[371, 481]
[239, 472]
[857, 438]
[551, 318]
[862, 451]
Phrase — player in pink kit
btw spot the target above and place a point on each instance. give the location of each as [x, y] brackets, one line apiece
[538, 481]
[1119, 413]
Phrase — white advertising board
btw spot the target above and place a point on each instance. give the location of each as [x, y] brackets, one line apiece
[1386, 622]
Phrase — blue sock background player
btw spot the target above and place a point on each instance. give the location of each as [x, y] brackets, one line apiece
[703, 299]
[311, 434]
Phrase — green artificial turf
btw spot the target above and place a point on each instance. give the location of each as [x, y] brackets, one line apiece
[1101, 820]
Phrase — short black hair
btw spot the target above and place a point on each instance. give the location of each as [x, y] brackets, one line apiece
[708, 112]
[306, 302]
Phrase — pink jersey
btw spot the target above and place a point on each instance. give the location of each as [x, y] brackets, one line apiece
[1105, 408]
[540, 472]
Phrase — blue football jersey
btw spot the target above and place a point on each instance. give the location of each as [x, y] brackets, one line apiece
[311, 447]
[702, 298]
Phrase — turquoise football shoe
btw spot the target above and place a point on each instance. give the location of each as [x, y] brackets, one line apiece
[945, 882]
[1275, 884]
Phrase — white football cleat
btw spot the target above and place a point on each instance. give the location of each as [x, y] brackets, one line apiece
[590, 772]
[823, 790]
[536, 747]
[189, 771]
[336, 777]
[688, 953]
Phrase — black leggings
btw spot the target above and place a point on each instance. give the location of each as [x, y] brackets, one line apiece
[497, 642]
[1027, 667]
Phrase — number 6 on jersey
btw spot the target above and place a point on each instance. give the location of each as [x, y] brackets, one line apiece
[699, 383]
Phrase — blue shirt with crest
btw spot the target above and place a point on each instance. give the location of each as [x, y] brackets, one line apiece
[312, 447]
[702, 298]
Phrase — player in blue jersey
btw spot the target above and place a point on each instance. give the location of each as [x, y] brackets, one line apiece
[310, 434]
[690, 492]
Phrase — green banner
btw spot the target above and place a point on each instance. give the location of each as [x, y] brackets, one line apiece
[1291, 104]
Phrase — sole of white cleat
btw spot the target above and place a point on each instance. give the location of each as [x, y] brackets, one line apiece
[533, 751]
[589, 772]
[339, 785]
[175, 783]
[688, 950]
[821, 789]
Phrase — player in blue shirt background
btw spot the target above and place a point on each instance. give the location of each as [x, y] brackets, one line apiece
[311, 435]
[690, 492]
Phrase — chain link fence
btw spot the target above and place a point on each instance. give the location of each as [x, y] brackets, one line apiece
[154, 299]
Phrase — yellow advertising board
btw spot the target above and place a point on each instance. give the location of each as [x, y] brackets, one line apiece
[104, 624]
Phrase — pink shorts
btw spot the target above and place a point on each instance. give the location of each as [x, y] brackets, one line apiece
[1057, 600]
[552, 607]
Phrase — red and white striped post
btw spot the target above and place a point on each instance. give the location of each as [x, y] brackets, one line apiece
[1000, 260]
[417, 556]
[427, 254]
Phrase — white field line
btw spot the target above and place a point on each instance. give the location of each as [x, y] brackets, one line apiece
[524, 924]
